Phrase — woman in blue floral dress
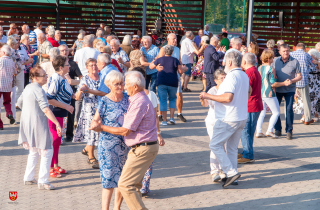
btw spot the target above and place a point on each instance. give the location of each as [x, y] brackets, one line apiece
[112, 151]
[90, 101]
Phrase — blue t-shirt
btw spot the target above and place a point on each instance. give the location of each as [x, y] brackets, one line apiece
[102, 39]
[168, 76]
[33, 35]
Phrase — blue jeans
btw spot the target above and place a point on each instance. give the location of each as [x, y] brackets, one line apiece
[151, 79]
[289, 97]
[188, 72]
[165, 92]
[247, 134]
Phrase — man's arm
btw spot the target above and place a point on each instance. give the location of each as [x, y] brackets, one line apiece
[224, 98]
[32, 41]
[297, 78]
[120, 131]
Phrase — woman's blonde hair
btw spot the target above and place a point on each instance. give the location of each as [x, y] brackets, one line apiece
[106, 49]
[270, 43]
[255, 47]
[24, 36]
[11, 41]
[267, 55]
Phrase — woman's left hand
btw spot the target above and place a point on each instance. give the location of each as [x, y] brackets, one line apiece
[161, 140]
[59, 130]
[96, 126]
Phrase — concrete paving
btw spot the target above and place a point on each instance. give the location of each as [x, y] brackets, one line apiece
[285, 174]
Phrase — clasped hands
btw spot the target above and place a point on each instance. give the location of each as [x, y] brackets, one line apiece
[95, 125]
[287, 82]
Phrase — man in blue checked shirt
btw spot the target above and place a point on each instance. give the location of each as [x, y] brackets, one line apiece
[150, 51]
[305, 61]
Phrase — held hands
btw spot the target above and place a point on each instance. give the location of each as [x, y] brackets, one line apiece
[223, 49]
[84, 88]
[287, 82]
[59, 131]
[204, 95]
[37, 53]
[70, 109]
[159, 68]
[96, 125]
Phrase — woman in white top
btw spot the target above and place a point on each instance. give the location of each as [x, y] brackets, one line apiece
[47, 66]
[154, 100]
[219, 76]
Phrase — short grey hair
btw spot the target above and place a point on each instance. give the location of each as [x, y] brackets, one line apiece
[250, 58]
[15, 36]
[213, 39]
[54, 52]
[171, 34]
[235, 57]
[237, 41]
[147, 37]
[100, 44]
[99, 33]
[80, 36]
[204, 38]
[57, 31]
[87, 40]
[41, 35]
[11, 41]
[63, 45]
[105, 58]
[317, 46]
[218, 72]
[126, 40]
[280, 42]
[6, 49]
[109, 38]
[315, 53]
[168, 50]
[270, 43]
[113, 76]
[189, 34]
[24, 36]
[116, 41]
[51, 32]
[136, 78]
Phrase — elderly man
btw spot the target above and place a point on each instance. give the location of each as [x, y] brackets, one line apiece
[206, 30]
[43, 49]
[74, 72]
[3, 38]
[197, 39]
[7, 71]
[276, 50]
[151, 52]
[140, 133]
[99, 35]
[109, 38]
[172, 40]
[236, 47]
[13, 27]
[32, 36]
[38, 29]
[231, 112]
[187, 53]
[87, 51]
[212, 55]
[57, 36]
[254, 107]
[119, 55]
[305, 61]
[51, 34]
[286, 67]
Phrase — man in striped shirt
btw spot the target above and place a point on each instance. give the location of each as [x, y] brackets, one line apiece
[32, 36]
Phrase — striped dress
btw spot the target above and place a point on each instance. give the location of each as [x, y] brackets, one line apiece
[267, 80]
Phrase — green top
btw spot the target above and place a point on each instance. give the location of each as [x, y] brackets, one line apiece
[267, 80]
[225, 42]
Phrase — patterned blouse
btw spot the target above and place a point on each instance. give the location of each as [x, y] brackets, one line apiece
[29, 51]
[121, 53]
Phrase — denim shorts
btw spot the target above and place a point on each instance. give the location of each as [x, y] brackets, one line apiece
[188, 72]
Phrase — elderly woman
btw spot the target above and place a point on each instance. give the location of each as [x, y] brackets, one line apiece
[137, 58]
[126, 44]
[270, 44]
[112, 150]
[253, 48]
[98, 44]
[59, 96]
[48, 67]
[83, 134]
[79, 42]
[119, 55]
[219, 75]
[199, 66]
[51, 38]
[34, 132]
[25, 44]
[107, 49]
[167, 82]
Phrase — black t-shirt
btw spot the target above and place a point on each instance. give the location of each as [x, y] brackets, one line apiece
[74, 71]
[168, 76]
[179, 37]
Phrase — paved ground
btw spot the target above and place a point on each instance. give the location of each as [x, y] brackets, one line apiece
[284, 176]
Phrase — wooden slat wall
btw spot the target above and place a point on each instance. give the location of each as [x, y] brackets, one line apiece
[302, 21]
[88, 14]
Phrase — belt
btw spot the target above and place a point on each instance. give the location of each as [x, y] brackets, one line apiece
[144, 144]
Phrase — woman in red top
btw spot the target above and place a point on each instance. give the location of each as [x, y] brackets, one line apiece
[51, 39]
[107, 49]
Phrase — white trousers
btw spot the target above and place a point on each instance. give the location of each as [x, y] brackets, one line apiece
[13, 102]
[44, 166]
[227, 133]
[214, 164]
[273, 104]
[20, 85]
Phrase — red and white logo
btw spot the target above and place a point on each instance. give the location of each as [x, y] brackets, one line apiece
[13, 195]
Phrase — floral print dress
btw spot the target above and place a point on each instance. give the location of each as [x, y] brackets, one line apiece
[197, 70]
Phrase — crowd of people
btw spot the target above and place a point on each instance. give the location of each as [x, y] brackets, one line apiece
[108, 96]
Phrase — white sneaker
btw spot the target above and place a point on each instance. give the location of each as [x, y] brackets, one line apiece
[260, 135]
[215, 177]
[269, 134]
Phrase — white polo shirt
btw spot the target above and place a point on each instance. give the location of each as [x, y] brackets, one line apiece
[83, 55]
[236, 82]
[187, 51]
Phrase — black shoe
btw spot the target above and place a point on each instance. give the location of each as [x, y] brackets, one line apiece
[12, 120]
[289, 136]
[277, 133]
[230, 180]
[68, 139]
[225, 179]
[180, 116]
[160, 118]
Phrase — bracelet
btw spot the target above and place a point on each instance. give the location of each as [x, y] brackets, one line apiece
[159, 132]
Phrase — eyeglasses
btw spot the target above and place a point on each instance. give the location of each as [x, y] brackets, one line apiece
[92, 65]
[120, 84]
[221, 78]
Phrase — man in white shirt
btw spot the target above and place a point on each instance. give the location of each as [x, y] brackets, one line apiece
[187, 53]
[86, 52]
[231, 111]
[236, 44]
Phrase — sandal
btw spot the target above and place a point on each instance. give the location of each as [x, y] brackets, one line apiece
[42, 186]
[30, 182]
[53, 174]
[84, 152]
[95, 163]
[59, 170]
